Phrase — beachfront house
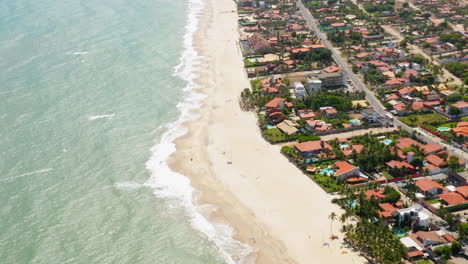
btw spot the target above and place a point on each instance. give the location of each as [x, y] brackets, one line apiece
[313, 148]
[414, 213]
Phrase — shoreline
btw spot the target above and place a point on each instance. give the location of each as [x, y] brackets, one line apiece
[275, 209]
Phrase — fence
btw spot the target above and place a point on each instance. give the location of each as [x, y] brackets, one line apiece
[343, 130]
[437, 134]
[400, 178]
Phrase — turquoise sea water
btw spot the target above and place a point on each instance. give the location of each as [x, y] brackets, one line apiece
[87, 89]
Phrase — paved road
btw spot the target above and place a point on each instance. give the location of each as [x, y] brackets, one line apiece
[348, 73]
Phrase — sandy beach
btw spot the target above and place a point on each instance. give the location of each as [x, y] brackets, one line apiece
[269, 202]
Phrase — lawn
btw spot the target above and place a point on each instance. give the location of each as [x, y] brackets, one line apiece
[465, 118]
[275, 135]
[433, 201]
[326, 182]
[425, 261]
[433, 119]
[387, 175]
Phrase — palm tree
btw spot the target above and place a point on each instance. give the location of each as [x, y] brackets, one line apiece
[332, 216]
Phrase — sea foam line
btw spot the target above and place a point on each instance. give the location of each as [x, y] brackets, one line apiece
[169, 184]
[26, 174]
[107, 116]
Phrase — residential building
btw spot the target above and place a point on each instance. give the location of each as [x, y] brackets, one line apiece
[370, 115]
[313, 148]
[430, 187]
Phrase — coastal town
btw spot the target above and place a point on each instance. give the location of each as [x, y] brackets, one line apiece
[369, 99]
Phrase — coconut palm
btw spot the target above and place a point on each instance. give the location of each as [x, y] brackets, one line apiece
[332, 216]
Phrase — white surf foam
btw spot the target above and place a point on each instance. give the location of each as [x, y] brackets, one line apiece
[107, 116]
[127, 185]
[169, 184]
[26, 174]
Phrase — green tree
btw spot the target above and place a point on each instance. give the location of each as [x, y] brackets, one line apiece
[453, 162]
[332, 217]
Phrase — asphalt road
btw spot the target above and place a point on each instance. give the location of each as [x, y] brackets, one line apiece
[348, 73]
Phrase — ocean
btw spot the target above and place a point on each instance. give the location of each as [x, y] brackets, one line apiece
[92, 95]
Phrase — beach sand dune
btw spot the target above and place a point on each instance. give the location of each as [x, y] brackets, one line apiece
[269, 202]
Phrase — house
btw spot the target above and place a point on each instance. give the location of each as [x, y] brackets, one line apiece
[431, 148]
[329, 111]
[377, 194]
[370, 115]
[430, 187]
[400, 109]
[345, 170]
[313, 148]
[307, 114]
[416, 213]
[432, 169]
[387, 210]
[276, 103]
[459, 196]
[288, 127]
[317, 125]
[349, 150]
[435, 160]
[429, 238]
[407, 142]
[405, 91]
[395, 165]
[463, 106]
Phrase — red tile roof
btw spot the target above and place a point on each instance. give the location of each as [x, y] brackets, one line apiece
[407, 142]
[463, 190]
[452, 198]
[426, 185]
[436, 160]
[460, 104]
[343, 167]
[406, 90]
[376, 193]
[415, 253]
[275, 102]
[399, 164]
[432, 148]
[332, 68]
[313, 146]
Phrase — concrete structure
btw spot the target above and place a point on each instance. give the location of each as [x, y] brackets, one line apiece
[370, 115]
[299, 90]
[313, 85]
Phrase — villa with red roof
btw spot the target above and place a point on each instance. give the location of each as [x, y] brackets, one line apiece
[377, 194]
[312, 148]
[345, 170]
[432, 148]
[430, 187]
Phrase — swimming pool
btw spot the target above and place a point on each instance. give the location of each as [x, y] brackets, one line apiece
[270, 127]
[387, 141]
[344, 145]
[327, 171]
[252, 59]
[354, 121]
[443, 129]
[352, 203]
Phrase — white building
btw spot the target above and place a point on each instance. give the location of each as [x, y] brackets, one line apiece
[299, 90]
[415, 212]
